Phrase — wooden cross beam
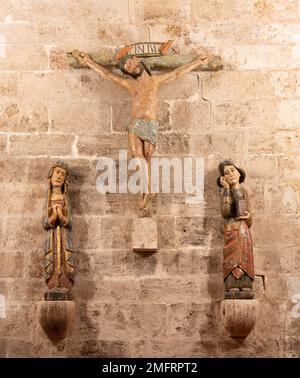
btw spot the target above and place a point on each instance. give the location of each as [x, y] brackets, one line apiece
[106, 58]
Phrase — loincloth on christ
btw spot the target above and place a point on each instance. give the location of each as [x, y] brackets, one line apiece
[145, 129]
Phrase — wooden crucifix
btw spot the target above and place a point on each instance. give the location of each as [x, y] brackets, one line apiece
[136, 61]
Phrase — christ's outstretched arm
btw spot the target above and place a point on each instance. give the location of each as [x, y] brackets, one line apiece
[166, 78]
[84, 58]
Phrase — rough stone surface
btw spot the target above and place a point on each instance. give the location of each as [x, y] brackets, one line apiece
[164, 304]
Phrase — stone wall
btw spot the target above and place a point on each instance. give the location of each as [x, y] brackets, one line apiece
[167, 303]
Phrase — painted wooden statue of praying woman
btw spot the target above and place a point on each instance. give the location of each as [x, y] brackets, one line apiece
[238, 265]
[57, 221]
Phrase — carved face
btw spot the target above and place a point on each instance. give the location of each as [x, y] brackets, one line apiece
[231, 174]
[133, 66]
[58, 176]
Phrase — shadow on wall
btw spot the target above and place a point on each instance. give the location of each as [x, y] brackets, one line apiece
[85, 330]
[210, 332]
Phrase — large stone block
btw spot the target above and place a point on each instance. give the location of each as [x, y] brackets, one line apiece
[122, 321]
[260, 57]
[250, 115]
[160, 347]
[288, 169]
[191, 117]
[13, 170]
[23, 233]
[176, 31]
[279, 200]
[18, 200]
[286, 83]
[252, 85]
[288, 114]
[110, 263]
[148, 320]
[271, 316]
[9, 84]
[37, 171]
[96, 89]
[121, 204]
[104, 348]
[254, 32]
[198, 231]
[166, 232]
[189, 320]
[233, 10]
[176, 290]
[28, 34]
[12, 265]
[52, 86]
[184, 262]
[24, 57]
[272, 259]
[171, 204]
[275, 287]
[19, 313]
[56, 12]
[274, 143]
[104, 145]
[43, 144]
[293, 285]
[262, 166]
[222, 144]
[180, 89]
[276, 233]
[116, 290]
[86, 231]
[120, 34]
[36, 263]
[173, 143]
[23, 116]
[84, 264]
[116, 233]
[82, 117]
[152, 11]
[87, 200]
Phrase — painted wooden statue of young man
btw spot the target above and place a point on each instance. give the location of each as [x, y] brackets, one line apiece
[238, 265]
[143, 87]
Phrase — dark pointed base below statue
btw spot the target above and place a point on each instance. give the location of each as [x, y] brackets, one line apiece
[239, 316]
[235, 293]
[58, 294]
[56, 318]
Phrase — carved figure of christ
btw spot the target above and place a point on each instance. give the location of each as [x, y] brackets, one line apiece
[143, 87]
